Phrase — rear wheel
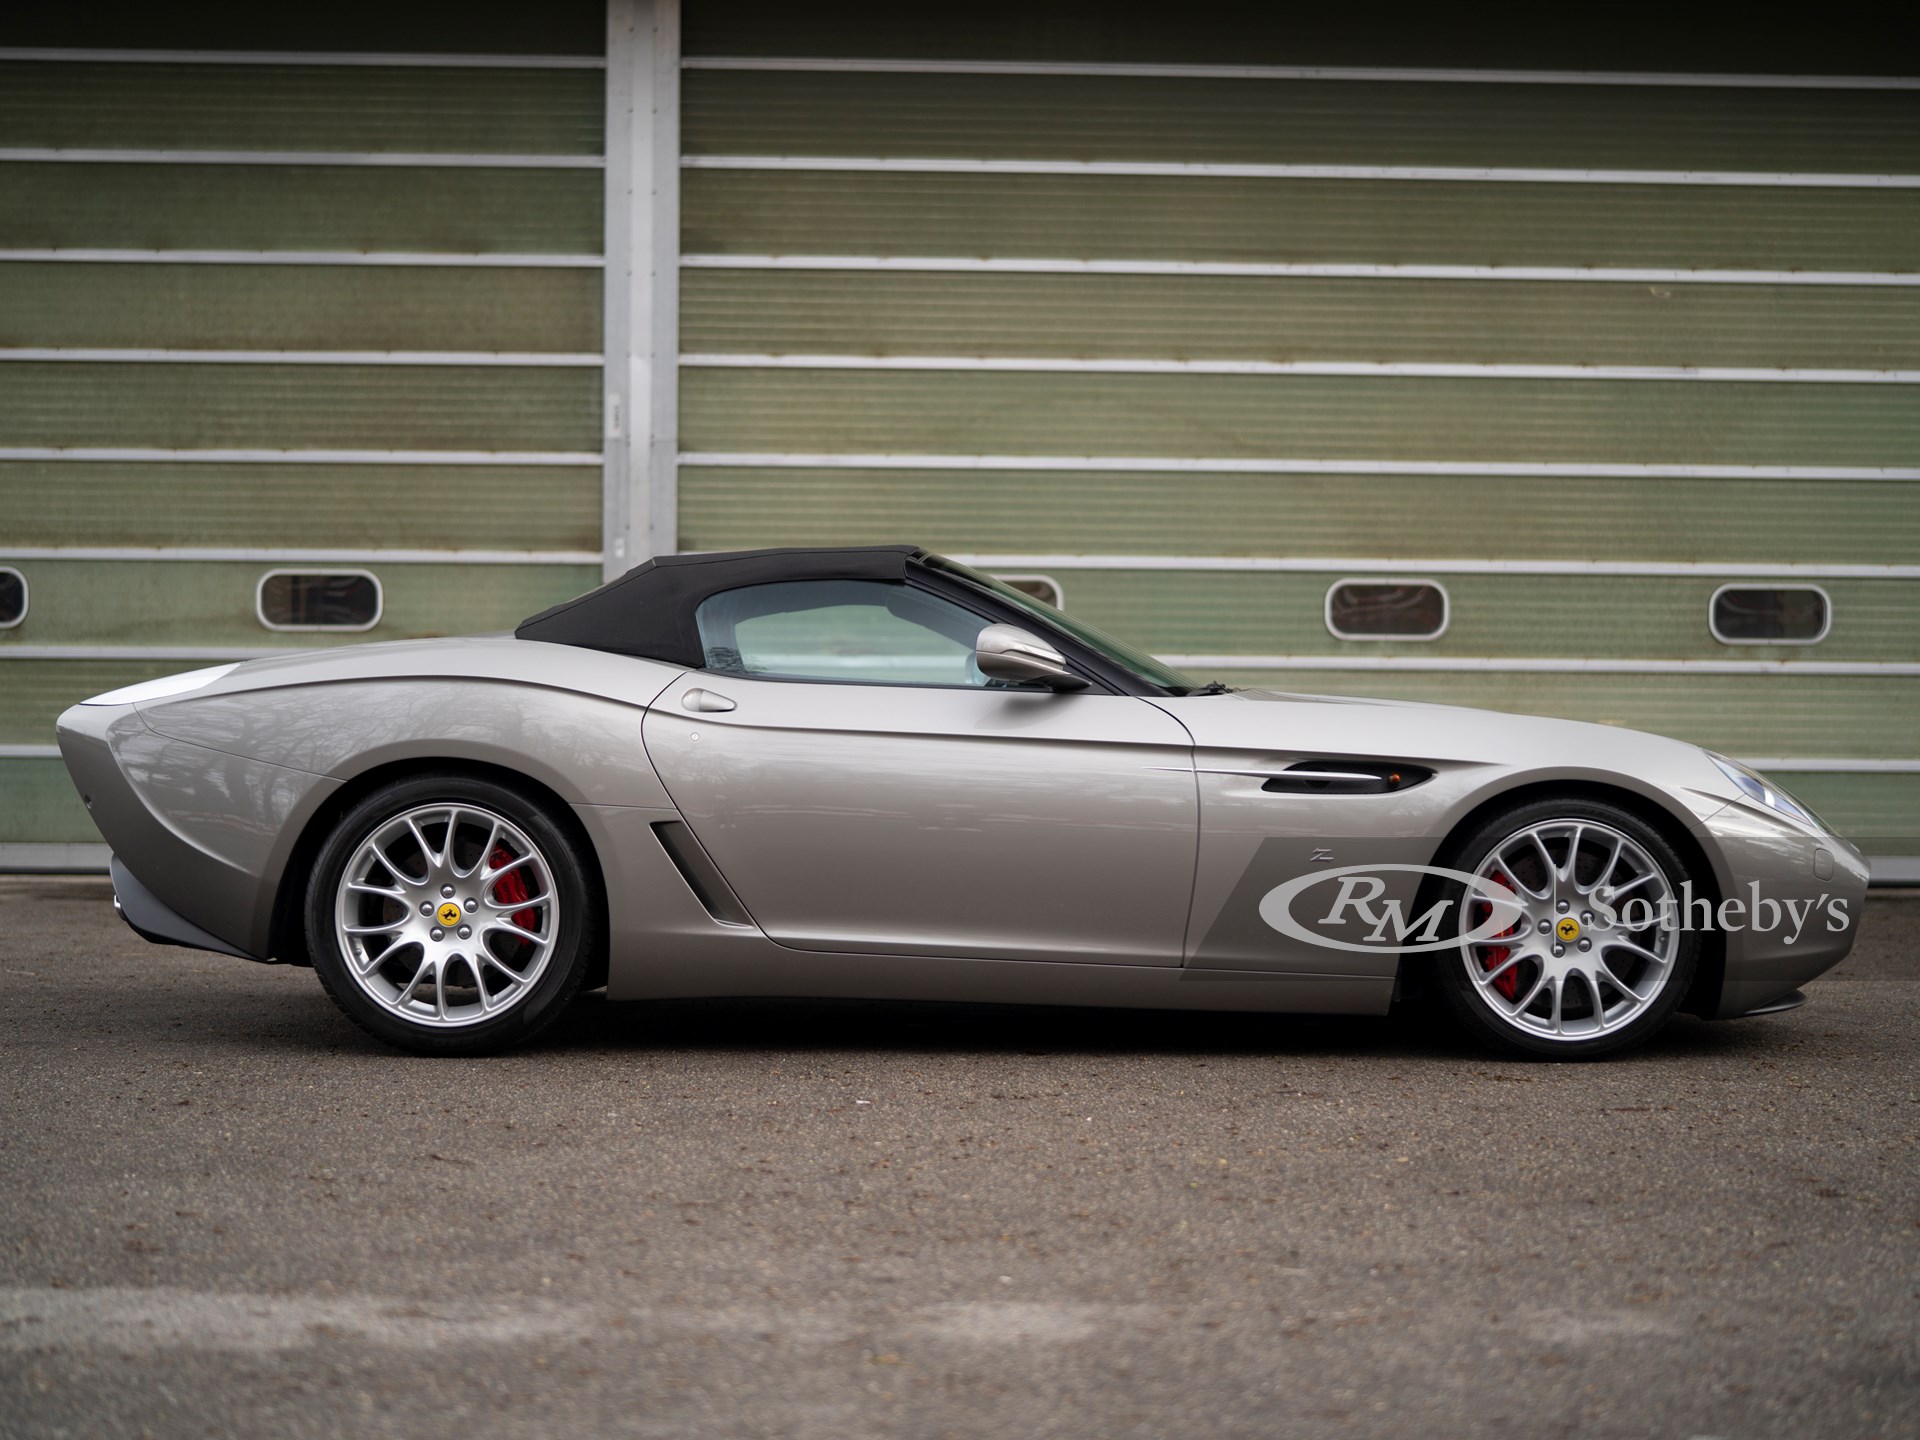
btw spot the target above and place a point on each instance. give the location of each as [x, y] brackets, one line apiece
[452, 915]
[1591, 959]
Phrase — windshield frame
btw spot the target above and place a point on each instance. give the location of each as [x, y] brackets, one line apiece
[1158, 677]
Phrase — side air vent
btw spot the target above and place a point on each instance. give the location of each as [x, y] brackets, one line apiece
[703, 877]
[1346, 777]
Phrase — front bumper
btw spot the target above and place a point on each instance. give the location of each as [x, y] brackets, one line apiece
[1790, 906]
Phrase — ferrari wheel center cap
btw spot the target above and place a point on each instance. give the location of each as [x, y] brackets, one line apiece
[449, 915]
[1568, 929]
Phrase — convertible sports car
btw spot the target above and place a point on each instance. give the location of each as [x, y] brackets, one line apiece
[875, 772]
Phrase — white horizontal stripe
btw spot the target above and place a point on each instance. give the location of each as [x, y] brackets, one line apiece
[38, 154]
[1827, 765]
[1226, 465]
[143, 454]
[78, 354]
[1228, 170]
[303, 257]
[1412, 369]
[303, 57]
[1282, 269]
[1530, 665]
[146, 652]
[270, 555]
[29, 752]
[1396, 74]
[1316, 565]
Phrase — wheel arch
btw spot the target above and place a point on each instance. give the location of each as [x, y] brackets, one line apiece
[287, 932]
[1703, 995]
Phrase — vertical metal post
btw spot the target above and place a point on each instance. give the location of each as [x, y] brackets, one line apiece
[641, 296]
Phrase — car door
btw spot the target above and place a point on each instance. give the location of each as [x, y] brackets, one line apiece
[864, 788]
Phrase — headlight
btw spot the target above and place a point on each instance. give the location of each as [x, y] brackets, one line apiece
[1764, 792]
[163, 687]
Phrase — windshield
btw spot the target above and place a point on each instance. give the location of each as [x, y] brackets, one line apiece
[1119, 652]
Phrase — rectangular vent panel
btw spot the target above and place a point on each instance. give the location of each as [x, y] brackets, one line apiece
[703, 877]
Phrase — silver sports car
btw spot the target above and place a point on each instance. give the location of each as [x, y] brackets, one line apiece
[875, 772]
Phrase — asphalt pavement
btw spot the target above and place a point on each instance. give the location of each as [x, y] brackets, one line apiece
[225, 1211]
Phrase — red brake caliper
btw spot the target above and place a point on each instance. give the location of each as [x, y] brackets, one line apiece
[1496, 955]
[512, 887]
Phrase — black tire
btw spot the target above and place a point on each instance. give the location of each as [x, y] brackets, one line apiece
[1466, 1000]
[578, 933]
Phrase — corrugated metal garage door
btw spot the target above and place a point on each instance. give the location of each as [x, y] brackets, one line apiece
[1198, 317]
[262, 308]
[1177, 314]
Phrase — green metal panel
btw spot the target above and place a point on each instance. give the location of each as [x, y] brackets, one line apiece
[557, 27]
[1382, 516]
[449, 209]
[1391, 32]
[34, 692]
[1384, 222]
[479, 507]
[1879, 813]
[1093, 117]
[184, 602]
[1235, 317]
[1320, 417]
[408, 407]
[1373, 418]
[300, 207]
[300, 107]
[1866, 716]
[300, 307]
[39, 804]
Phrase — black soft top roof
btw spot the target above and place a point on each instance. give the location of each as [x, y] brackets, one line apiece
[649, 610]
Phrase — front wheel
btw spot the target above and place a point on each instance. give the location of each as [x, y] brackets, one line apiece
[1592, 958]
[452, 915]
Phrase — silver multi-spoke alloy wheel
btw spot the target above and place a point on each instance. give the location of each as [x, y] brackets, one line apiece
[446, 915]
[1595, 943]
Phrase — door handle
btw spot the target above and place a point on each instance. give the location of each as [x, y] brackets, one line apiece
[705, 701]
